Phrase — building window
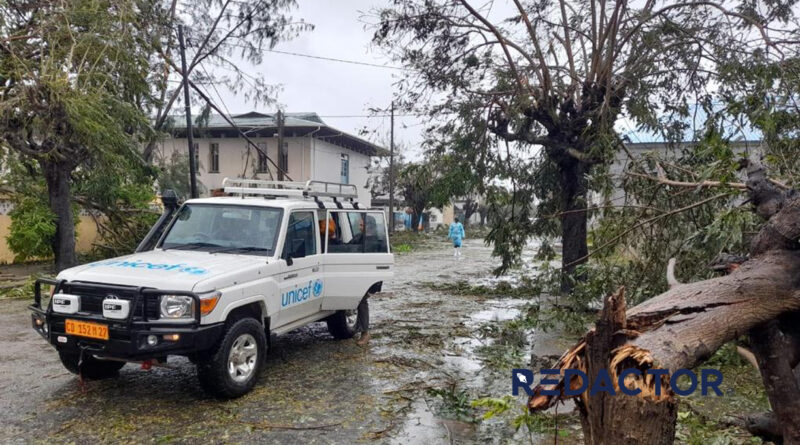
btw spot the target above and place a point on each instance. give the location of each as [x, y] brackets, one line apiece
[345, 169]
[196, 156]
[283, 160]
[214, 158]
[262, 157]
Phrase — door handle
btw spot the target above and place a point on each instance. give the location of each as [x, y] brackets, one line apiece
[315, 269]
[290, 276]
[382, 267]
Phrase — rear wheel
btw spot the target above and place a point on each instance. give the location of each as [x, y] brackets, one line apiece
[91, 367]
[232, 369]
[342, 324]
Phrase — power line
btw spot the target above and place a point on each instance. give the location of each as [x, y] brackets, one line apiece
[329, 59]
[372, 115]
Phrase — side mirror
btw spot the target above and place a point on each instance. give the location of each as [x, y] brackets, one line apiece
[295, 249]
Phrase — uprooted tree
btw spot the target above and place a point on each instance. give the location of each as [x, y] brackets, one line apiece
[685, 325]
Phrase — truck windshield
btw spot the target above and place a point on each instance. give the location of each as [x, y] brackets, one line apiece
[229, 228]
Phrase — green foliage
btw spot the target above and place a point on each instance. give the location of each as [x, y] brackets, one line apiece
[535, 423]
[173, 175]
[32, 228]
[695, 429]
[20, 292]
[74, 105]
[417, 185]
[402, 248]
[453, 404]
[538, 123]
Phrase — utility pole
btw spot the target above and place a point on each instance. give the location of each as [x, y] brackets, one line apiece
[282, 164]
[189, 131]
[391, 172]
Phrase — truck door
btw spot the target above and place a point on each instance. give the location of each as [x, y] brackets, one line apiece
[300, 281]
[357, 256]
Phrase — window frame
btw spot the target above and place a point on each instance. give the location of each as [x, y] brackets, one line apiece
[262, 163]
[213, 157]
[364, 212]
[314, 231]
[196, 156]
[344, 168]
[283, 157]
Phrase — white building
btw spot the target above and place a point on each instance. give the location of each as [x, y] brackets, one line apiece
[312, 150]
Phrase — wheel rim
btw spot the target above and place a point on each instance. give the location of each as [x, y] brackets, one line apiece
[242, 358]
[351, 317]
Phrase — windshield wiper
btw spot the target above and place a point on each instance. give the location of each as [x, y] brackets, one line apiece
[242, 249]
[191, 246]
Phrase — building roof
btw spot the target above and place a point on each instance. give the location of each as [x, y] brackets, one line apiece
[256, 124]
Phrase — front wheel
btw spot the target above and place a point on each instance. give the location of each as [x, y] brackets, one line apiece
[91, 367]
[232, 369]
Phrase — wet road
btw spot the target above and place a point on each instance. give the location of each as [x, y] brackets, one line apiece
[314, 389]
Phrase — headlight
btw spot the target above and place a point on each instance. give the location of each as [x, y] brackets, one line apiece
[177, 306]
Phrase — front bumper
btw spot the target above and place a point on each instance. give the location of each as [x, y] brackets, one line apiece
[127, 338]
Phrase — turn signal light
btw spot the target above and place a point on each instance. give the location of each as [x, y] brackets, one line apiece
[172, 337]
[207, 304]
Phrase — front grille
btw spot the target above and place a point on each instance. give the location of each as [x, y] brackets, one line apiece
[92, 299]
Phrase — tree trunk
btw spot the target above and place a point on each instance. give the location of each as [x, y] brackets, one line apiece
[572, 179]
[611, 418]
[57, 177]
[416, 218]
[770, 345]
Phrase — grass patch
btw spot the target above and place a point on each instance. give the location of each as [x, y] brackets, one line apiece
[408, 241]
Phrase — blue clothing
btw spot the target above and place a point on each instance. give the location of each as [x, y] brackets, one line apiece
[456, 233]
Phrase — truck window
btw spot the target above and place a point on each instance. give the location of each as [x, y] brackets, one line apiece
[375, 235]
[301, 235]
[358, 232]
[229, 228]
[327, 230]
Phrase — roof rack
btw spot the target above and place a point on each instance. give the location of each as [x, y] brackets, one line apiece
[305, 189]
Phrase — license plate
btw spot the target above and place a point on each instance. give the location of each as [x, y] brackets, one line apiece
[86, 329]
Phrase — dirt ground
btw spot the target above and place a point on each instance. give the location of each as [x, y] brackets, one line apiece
[412, 384]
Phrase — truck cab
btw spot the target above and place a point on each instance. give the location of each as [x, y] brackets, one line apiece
[224, 274]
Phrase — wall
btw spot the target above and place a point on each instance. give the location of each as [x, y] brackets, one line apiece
[233, 155]
[87, 234]
[326, 161]
[309, 158]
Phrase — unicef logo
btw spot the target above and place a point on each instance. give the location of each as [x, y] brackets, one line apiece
[317, 288]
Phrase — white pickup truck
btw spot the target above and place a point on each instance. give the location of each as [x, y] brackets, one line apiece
[222, 275]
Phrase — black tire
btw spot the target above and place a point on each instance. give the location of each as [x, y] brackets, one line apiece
[340, 327]
[91, 368]
[213, 368]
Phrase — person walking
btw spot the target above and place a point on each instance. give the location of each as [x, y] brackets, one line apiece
[456, 234]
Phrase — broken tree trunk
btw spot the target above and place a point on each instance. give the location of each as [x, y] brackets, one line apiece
[685, 325]
[608, 419]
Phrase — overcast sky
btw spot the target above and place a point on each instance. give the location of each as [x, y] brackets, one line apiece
[332, 88]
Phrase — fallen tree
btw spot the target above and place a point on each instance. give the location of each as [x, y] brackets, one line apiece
[687, 324]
